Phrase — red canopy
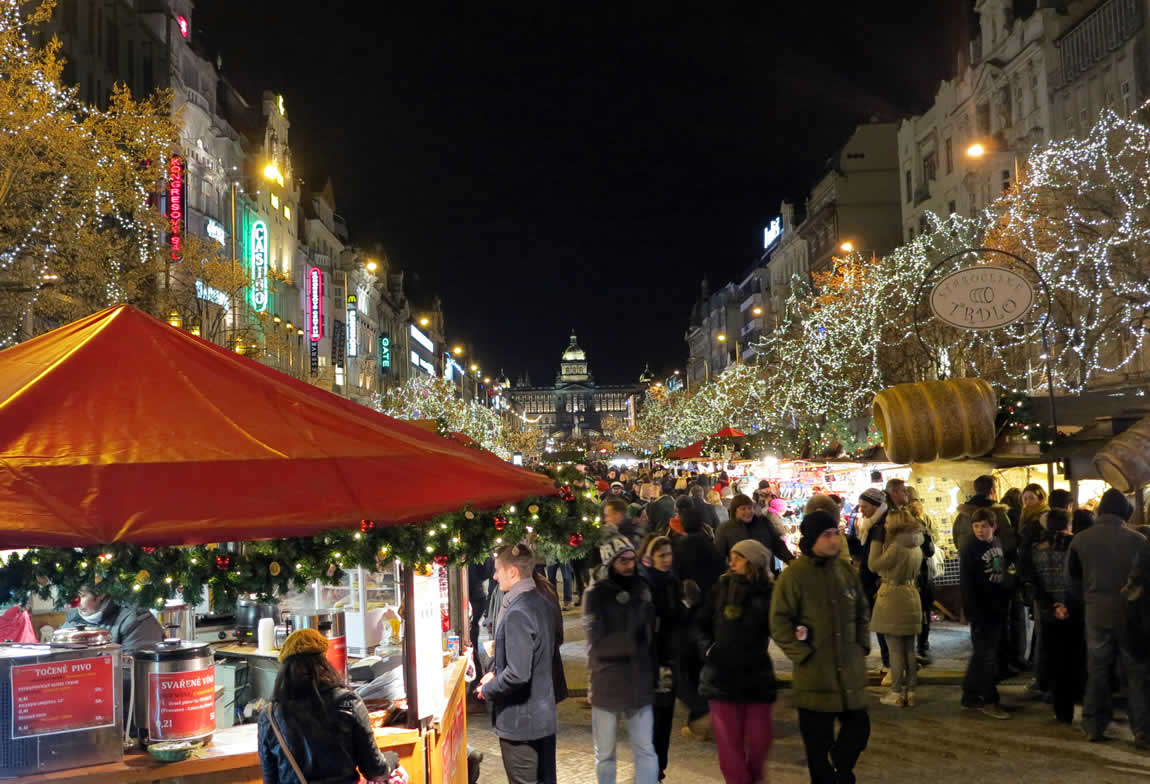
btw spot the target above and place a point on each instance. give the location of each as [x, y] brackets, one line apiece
[692, 452]
[729, 432]
[120, 428]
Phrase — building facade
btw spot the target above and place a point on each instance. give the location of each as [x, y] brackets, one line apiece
[713, 333]
[575, 407]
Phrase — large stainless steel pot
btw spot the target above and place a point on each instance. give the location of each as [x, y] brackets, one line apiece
[248, 615]
[175, 691]
[331, 624]
[82, 635]
[178, 620]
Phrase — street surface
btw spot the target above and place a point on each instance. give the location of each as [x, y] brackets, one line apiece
[936, 742]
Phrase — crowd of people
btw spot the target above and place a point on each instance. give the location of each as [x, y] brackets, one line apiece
[694, 577]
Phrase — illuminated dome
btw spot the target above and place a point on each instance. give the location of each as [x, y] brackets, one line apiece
[573, 352]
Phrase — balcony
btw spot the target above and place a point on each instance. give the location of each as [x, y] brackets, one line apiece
[1097, 36]
[921, 193]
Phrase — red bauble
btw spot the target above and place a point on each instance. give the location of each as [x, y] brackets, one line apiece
[223, 562]
[566, 493]
[366, 525]
[500, 523]
[441, 560]
[575, 540]
[148, 550]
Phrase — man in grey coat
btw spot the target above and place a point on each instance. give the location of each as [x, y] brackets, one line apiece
[131, 627]
[619, 615]
[1099, 562]
[520, 687]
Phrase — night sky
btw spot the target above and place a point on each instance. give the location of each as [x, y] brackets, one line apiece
[545, 168]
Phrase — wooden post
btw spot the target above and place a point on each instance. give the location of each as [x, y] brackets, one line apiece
[1139, 505]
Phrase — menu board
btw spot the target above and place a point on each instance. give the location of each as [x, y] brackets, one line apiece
[337, 654]
[182, 703]
[428, 644]
[63, 696]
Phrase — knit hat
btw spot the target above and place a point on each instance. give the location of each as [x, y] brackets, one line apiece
[613, 548]
[822, 502]
[873, 496]
[1115, 503]
[303, 641]
[778, 506]
[754, 551]
[812, 528]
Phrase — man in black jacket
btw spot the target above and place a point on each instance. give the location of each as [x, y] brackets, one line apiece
[619, 615]
[985, 579]
[745, 524]
[521, 687]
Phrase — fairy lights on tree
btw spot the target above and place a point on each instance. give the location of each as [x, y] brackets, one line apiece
[427, 397]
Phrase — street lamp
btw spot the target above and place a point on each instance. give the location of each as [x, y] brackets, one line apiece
[847, 247]
[175, 319]
[721, 338]
[372, 265]
[756, 311]
[457, 351]
[272, 172]
[976, 150]
[423, 322]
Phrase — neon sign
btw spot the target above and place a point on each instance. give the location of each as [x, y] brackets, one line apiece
[216, 232]
[772, 232]
[176, 206]
[352, 327]
[422, 339]
[384, 354]
[259, 266]
[315, 304]
[182, 23]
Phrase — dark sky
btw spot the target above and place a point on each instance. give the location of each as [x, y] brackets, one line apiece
[551, 166]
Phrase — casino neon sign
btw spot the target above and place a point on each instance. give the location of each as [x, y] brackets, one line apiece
[176, 206]
[315, 304]
[259, 266]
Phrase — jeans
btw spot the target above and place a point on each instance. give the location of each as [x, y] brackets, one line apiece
[883, 649]
[1103, 646]
[978, 685]
[568, 578]
[640, 728]
[831, 760]
[903, 664]
[529, 761]
[743, 736]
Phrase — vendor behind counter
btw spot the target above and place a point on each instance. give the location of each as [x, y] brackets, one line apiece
[131, 627]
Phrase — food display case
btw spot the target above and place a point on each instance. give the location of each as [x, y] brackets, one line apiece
[365, 598]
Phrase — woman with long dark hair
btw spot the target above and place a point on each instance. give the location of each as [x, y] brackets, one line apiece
[315, 728]
[667, 594]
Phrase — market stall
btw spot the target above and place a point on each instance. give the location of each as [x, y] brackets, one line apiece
[130, 448]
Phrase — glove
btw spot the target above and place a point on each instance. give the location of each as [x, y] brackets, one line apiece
[691, 593]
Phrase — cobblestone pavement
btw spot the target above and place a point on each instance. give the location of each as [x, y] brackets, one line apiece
[934, 743]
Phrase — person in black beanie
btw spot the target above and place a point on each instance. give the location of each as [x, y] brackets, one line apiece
[1099, 563]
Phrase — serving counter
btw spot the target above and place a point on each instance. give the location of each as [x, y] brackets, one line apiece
[435, 754]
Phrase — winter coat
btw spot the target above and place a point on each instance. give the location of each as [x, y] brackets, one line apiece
[660, 512]
[721, 513]
[871, 531]
[897, 561]
[340, 741]
[695, 556]
[732, 634]
[1100, 561]
[823, 595]
[1049, 582]
[522, 694]
[1004, 530]
[1136, 605]
[620, 622]
[131, 627]
[670, 616]
[760, 529]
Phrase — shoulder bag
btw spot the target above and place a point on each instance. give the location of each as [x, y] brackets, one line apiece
[284, 746]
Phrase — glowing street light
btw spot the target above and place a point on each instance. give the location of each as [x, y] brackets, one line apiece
[423, 322]
[457, 351]
[975, 150]
[272, 172]
[474, 368]
[756, 310]
[847, 246]
[721, 338]
[372, 265]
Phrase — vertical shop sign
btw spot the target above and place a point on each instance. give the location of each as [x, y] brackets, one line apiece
[315, 304]
[384, 354]
[259, 266]
[338, 344]
[176, 206]
[352, 326]
[314, 349]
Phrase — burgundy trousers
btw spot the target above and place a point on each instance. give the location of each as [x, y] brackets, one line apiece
[743, 737]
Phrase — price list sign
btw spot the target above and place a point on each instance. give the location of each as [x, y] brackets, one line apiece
[182, 704]
[63, 696]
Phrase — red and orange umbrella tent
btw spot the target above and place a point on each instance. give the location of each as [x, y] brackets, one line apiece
[692, 452]
[729, 432]
[121, 428]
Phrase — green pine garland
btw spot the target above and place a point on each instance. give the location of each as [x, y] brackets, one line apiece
[148, 576]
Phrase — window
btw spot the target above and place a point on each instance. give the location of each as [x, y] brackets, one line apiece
[923, 224]
[1006, 179]
[930, 166]
[949, 155]
[910, 234]
[983, 119]
[1084, 119]
[909, 186]
[1125, 89]
[275, 202]
[287, 212]
[951, 208]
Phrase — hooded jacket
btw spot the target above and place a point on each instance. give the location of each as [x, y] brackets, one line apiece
[760, 529]
[824, 596]
[1099, 563]
[1004, 531]
[897, 561]
[131, 627]
[619, 616]
[732, 633]
[695, 556]
[331, 752]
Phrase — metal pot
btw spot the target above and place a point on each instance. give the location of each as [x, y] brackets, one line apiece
[248, 614]
[178, 620]
[283, 629]
[331, 624]
[175, 691]
[82, 635]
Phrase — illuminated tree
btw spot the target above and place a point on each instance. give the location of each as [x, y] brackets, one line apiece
[78, 231]
[427, 397]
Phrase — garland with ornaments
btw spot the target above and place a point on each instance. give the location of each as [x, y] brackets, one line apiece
[563, 526]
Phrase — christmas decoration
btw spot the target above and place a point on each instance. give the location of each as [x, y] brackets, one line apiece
[274, 569]
[575, 540]
[533, 509]
[366, 525]
[223, 562]
[442, 559]
[566, 493]
[500, 523]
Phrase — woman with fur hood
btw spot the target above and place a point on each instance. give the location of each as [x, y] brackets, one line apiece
[897, 560]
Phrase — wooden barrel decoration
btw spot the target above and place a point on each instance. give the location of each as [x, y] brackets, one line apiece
[937, 419]
[1125, 460]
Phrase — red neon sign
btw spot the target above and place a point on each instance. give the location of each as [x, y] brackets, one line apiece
[315, 303]
[182, 23]
[176, 206]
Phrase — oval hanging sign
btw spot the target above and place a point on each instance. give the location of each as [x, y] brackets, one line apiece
[981, 298]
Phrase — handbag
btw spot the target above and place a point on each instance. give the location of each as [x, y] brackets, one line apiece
[284, 746]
